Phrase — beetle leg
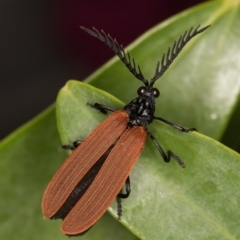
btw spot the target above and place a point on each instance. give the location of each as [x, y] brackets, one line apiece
[123, 195]
[102, 108]
[75, 145]
[166, 157]
[180, 128]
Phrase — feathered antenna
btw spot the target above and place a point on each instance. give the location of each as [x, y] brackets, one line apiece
[119, 51]
[173, 52]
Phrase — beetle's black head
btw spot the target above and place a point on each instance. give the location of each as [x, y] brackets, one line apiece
[141, 109]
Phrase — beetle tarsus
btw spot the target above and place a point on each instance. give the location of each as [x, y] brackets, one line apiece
[119, 208]
[178, 159]
[68, 147]
[102, 108]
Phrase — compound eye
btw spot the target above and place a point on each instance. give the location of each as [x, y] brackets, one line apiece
[155, 92]
[141, 91]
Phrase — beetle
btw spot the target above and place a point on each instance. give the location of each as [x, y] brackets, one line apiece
[94, 174]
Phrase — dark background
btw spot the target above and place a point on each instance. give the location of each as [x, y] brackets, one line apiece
[41, 46]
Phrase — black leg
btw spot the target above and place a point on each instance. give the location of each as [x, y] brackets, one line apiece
[75, 145]
[166, 157]
[127, 189]
[119, 208]
[180, 128]
[102, 108]
[123, 195]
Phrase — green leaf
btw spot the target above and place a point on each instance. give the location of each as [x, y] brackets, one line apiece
[201, 89]
[177, 203]
[231, 136]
